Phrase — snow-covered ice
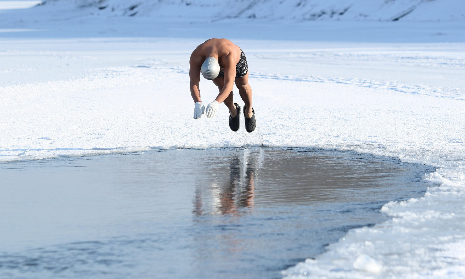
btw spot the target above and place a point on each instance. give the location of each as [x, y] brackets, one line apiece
[76, 82]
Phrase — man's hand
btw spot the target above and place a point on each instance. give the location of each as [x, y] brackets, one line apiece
[198, 110]
[211, 109]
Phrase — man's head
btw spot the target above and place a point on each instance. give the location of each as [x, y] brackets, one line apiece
[210, 68]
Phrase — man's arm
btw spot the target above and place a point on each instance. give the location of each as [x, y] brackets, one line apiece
[229, 77]
[194, 75]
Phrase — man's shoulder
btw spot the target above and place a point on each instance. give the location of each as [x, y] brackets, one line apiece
[196, 57]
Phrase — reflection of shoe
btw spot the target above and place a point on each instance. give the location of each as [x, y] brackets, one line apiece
[234, 122]
[250, 123]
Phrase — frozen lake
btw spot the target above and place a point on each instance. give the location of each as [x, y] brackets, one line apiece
[215, 213]
[93, 80]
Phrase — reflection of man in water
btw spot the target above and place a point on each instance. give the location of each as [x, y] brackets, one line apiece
[234, 196]
[224, 63]
[229, 197]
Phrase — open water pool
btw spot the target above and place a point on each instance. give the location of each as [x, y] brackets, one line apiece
[215, 213]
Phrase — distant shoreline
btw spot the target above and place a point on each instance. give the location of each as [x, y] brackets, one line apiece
[13, 5]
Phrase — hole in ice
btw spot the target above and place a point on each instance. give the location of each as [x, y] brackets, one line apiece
[242, 212]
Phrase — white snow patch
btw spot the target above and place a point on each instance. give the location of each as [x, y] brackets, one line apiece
[13, 5]
[366, 263]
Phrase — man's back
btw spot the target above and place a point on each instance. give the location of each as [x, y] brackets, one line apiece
[217, 48]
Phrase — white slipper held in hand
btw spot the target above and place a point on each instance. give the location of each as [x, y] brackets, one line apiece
[198, 110]
[211, 109]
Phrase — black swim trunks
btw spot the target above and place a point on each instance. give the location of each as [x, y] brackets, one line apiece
[241, 67]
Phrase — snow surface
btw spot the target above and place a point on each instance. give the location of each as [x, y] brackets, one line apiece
[75, 84]
[11, 5]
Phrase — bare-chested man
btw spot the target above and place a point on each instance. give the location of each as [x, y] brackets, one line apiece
[224, 63]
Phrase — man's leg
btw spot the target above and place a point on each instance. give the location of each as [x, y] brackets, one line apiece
[229, 101]
[245, 91]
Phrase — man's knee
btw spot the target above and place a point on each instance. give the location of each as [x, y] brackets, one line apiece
[243, 87]
[219, 83]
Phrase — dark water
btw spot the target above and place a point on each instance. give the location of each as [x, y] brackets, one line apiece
[233, 213]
